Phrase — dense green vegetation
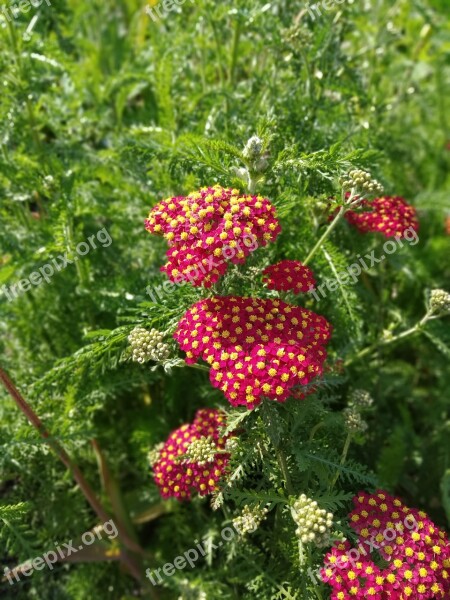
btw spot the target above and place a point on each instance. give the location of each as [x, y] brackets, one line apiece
[106, 111]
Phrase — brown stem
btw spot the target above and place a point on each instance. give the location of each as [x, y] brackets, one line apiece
[77, 475]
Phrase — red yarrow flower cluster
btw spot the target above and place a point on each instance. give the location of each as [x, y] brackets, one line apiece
[289, 275]
[256, 347]
[176, 473]
[210, 228]
[415, 554]
[389, 215]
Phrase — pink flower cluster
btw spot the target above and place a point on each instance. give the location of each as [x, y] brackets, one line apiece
[209, 228]
[175, 474]
[389, 215]
[256, 347]
[289, 275]
[414, 553]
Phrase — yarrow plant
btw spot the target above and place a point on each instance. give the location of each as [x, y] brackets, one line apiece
[147, 345]
[193, 457]
[249, 520]
[210, 228]
[256, 347]
[228, 417]
[313, 523]
[389, 215]
[413, 557]
[289, 275]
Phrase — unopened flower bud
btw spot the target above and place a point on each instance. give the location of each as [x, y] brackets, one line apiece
[201, 451]
[360, 399]
[353, 420]
[153, 455]
[147, 345]
[253, 148]
[249, 520]
[314, 523]
[440, 301]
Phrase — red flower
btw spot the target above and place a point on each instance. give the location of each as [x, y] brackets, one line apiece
[391, 216]
[256, 347]
[210, 228]
[289, 275]
[415, 551]
[178, 469]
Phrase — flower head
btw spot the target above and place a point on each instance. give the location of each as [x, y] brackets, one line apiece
[389, 215]
[353, 421]
[440, 302]
[193, 457]
[360, 399]
[249, 520]
[147, 345]
[289, 275]
[210, 228]
[415, 554]
[313, 523]
[256, 347]
[362, 182]
[253, 148]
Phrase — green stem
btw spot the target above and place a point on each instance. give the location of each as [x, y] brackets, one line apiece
[199, 367]
[343, 458]
[234, 51]
[281, 456]
[315, 429]
[388, 342]
[282, 462]
[326, 233]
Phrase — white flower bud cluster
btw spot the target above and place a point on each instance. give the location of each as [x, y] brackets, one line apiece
[253, 148]
[353, 420]
[361, 181]
[440, 301]
[232, 444]
[153, 455]
[201, 451]
[147, 345]
[249, 520]
[314, 523]
[252, 153]
[360, 399]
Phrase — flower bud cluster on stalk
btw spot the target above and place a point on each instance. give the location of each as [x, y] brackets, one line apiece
[314, 523]
[359, 401]
[148, 345]
[360, 182]
[440, 302]
[250, 519]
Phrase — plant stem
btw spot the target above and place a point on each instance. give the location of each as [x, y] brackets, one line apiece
[343, 458]
[388, 342]
[281, 458]
[326, 233]
[235, 49]
[199, 367]
[315, 429]
[74, 469]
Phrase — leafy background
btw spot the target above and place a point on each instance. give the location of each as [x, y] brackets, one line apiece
[104, 112]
